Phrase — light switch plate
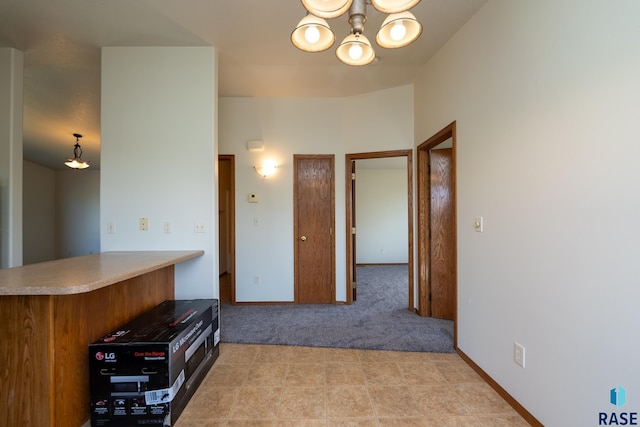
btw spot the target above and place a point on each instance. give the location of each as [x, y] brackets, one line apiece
[518, 354]
[479, 224]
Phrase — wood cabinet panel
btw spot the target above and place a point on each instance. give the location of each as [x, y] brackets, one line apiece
[44, 367]
[24, 361]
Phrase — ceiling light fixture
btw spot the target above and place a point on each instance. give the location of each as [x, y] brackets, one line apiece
[313, 33]
[77, 162]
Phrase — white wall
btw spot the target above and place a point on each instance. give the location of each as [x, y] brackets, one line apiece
[77, 212]
[11, 69]
[546, 97]
[158, 150]
[381, 216]
[373, 122]
[61, 213]
[38, 213]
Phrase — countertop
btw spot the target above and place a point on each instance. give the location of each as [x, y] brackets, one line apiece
[86, 273]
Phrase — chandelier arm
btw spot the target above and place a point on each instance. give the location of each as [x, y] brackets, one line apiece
[358, 16]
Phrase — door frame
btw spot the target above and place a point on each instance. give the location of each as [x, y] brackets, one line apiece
[296, 241]
[424, 235]
[349, 202]
[232, 221]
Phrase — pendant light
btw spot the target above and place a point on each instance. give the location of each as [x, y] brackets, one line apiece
[393, 6]
[356, 50]
[312, 34]
[327, 8]
[398, 30]
[77, 162]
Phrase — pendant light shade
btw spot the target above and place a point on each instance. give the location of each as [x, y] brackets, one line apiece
[327, 8]
[399, 30]
[393, 6]
[356, 50]
[312, 34]
[77, 162]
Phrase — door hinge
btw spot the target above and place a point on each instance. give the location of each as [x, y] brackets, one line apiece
[353, 230]
[331, 231]
[353, 176]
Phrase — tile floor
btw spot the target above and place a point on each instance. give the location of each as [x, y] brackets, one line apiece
[263, 385]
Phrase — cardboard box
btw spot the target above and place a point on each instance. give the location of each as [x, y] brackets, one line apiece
[144, 373]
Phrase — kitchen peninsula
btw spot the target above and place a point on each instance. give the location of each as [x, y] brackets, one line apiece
[50, 312]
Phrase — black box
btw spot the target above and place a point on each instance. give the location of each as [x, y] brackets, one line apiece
[144, 373]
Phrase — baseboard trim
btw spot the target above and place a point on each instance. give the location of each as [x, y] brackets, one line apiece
[528, 417]
[262, 303]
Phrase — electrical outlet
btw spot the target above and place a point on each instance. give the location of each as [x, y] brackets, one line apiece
[111, 228]
[256, 280]
[518, 354]
[166, 227]
[199, 227]
[144, 224]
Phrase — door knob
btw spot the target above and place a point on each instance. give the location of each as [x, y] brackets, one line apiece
[303, 238]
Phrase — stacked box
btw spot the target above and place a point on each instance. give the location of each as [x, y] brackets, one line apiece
[144, 373]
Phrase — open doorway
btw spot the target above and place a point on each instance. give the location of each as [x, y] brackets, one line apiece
[226, 228]
[437, 241]
[351, 218]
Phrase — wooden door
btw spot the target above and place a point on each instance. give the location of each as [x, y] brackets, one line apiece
[314, 242]
[442, 223]
[226, 229]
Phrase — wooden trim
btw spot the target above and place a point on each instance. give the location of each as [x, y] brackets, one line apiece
[351, 157]
[528, 417]
[349, 225]
[410, 214]
[423, 220]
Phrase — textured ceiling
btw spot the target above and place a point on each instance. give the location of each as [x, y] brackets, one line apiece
[61, 41]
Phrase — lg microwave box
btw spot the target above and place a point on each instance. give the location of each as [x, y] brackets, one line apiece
[144, 373]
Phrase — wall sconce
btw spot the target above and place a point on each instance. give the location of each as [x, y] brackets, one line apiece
[266, 169]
